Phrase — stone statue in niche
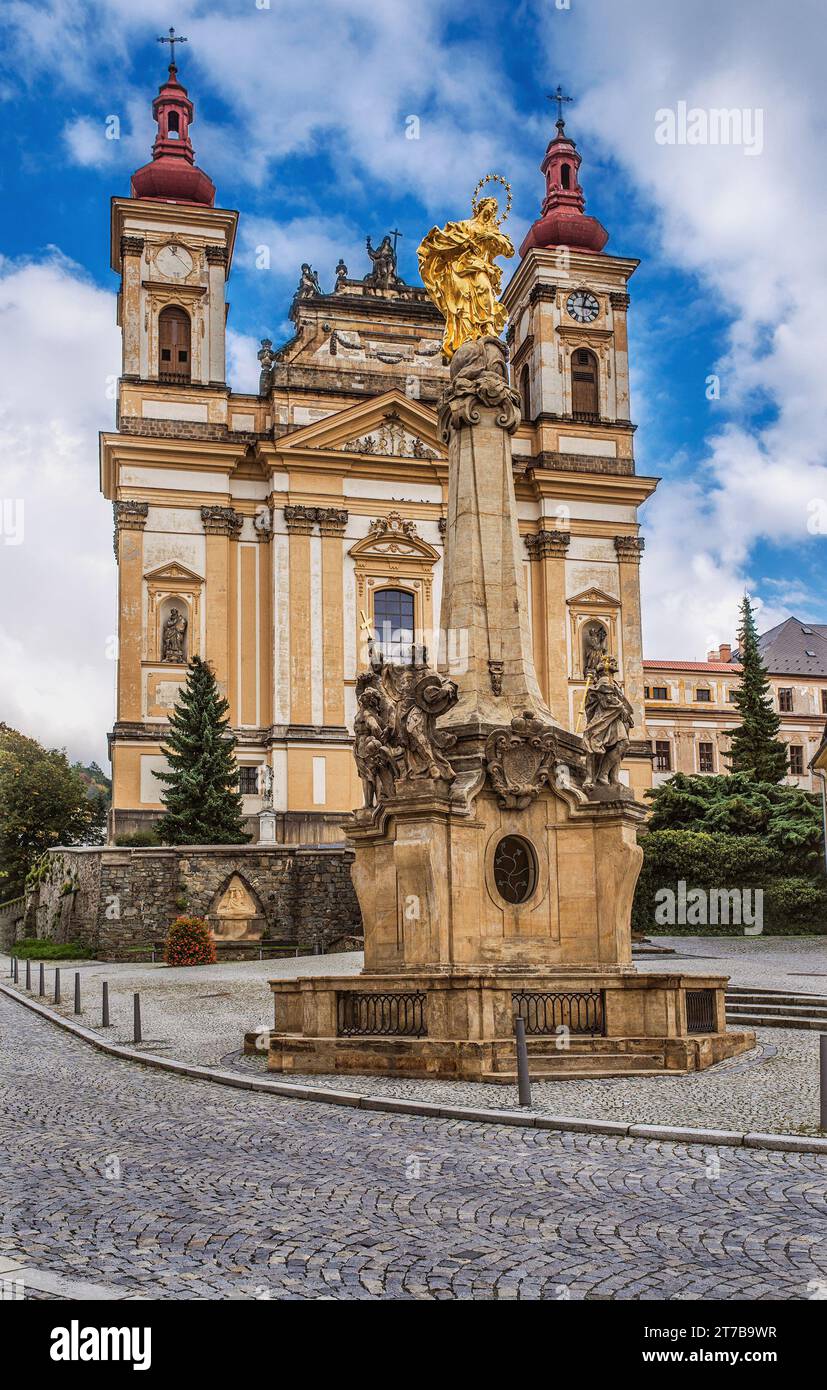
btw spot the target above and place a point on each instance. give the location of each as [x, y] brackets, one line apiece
[396, 736]
[174, 637]
[595, 638]
[609, 717]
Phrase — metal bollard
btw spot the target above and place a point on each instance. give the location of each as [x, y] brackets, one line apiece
[15, 971]
[823, 1078]
[42, 989]
[57, 985]
[136, 1013]
[28, 974]
[523, 1078]
[105, 1006]
[77, 992]
[11, 966]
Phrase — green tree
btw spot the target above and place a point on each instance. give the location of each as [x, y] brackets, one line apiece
[755, 747]
[203, 805]
[43, 802]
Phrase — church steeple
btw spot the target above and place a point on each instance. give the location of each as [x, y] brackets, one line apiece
[172, 174]
[563, 221]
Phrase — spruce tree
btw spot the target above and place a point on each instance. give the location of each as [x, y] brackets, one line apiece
[203, 805]
[755, 747]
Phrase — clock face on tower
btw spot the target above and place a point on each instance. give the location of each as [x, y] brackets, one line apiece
[582, 306]
[174, 262]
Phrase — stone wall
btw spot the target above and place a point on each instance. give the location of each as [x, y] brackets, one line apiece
[11, 918]
[115, 901]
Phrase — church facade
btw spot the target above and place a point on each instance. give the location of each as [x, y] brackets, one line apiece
[283, 535]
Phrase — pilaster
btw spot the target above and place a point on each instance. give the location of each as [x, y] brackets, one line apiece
[547, 551]
[629, 550]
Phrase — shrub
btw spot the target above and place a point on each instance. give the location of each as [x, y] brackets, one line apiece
[34, 948]
[190, 942]
[137, 839]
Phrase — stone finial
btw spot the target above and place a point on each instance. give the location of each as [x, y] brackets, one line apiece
[543, 545]
[221, 521]
[629, 548]
[479, 380]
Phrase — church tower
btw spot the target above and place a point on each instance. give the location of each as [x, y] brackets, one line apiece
[173, 250]
[567, 304]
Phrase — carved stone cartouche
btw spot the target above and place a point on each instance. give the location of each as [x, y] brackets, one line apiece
[520, 760]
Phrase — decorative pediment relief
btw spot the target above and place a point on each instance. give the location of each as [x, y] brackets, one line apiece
[392, 537]
[389, 426]
[390, 439]
[593, 598]
[173, 573]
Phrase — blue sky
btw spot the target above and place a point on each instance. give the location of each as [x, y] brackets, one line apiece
[301, 117]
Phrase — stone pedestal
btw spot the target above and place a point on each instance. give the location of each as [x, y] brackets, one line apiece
[496, 856]
[267, 827]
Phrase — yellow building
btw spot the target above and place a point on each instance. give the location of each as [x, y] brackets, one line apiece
[273, 534]
[690, 711]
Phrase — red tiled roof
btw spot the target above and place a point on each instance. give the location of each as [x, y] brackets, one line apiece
[691, 665]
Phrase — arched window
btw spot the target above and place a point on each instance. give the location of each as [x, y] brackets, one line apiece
[584, 397]
[393, 623]
[174, 345]
[525, 393]
[565, 175]
[173, 130]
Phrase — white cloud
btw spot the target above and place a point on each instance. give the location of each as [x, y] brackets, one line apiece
[752, 229]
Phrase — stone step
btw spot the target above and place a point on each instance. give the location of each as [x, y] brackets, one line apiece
[761, 1020]
[772, 996]
[563, 1064]
[806, 1010]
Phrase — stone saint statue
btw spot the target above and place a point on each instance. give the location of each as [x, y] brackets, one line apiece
[309, 282]
[265, 785]
[456, 263]
[396, 738]
[594, 649]
[383, 275]
[173, 638]
[609, 717]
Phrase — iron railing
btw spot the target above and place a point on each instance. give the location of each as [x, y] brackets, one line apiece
[381, 1015]
[700, 1011]
[581, 1011]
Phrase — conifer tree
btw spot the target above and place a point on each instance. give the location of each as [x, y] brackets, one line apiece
[203, 804]
[755, 747]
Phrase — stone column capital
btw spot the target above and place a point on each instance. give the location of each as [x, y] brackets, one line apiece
[129, 516]
[545, 544]
[216, 255]
[629, 548]
[479, 381]
[300, 520]
[132, 246]
[332, 520]
[221, 521]
[619, 300]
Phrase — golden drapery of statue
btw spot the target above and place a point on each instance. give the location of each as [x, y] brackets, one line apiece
[456, 263]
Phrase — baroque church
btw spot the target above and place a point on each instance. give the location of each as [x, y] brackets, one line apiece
[283, 536]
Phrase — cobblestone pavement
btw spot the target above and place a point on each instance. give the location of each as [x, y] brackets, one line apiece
[120, 1175]
[201, 1014]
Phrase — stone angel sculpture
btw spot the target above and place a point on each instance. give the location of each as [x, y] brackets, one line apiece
[456, 263]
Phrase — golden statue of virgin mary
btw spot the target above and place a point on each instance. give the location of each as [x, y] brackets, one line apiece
[456, 263]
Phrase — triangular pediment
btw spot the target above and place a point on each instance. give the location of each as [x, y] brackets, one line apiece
[173, 572]
[387, 426]
[593, 598]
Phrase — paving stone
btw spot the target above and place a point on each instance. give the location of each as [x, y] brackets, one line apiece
[215, 1192]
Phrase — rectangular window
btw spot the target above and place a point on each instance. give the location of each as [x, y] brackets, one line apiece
[663, 755]
[703, 696]
[319, 781]
[660, 692]
[248, 779]
[824, 702]
[731, 696]
[706, 757]
[796, 760]
[785, 701]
